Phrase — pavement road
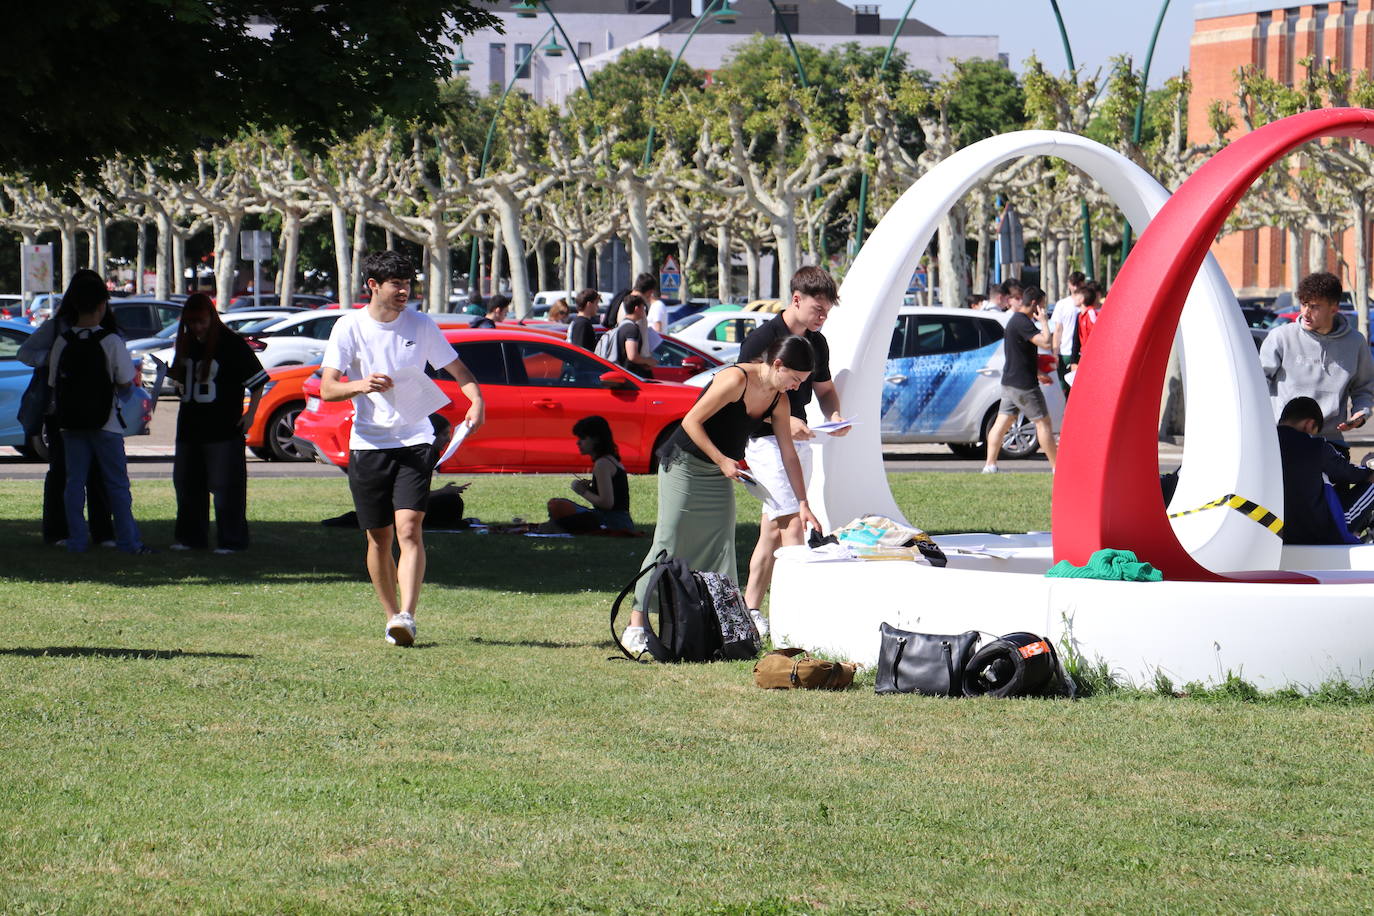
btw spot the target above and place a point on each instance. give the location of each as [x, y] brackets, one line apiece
[150, 457]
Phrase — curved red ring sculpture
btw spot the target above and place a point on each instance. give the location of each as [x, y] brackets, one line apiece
[1106, 489]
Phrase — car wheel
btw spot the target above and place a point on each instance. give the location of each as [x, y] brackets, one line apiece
[278, 438]
[1020, 440]
[36, 448]
[261, 451]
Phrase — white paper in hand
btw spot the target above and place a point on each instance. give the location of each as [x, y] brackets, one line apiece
[460, 432]
[830, 427]
[413, 395]
[753, 487]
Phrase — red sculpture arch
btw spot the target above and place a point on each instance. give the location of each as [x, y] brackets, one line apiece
[1106, 491]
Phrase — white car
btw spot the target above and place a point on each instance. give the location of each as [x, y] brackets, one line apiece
[943, 382]
[297, 340]
[718, 333]
[240, 321]
[539, 306]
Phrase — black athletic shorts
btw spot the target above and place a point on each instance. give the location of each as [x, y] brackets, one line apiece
[383, 480]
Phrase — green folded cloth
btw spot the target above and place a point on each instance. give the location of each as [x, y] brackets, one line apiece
[1120, 565]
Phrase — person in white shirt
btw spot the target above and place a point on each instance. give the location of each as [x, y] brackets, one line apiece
[390, 460]
[1063, 322]
[656, 319]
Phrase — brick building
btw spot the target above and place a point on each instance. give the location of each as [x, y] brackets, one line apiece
[1229, 34]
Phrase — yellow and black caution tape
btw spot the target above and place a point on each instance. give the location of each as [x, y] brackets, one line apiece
[1251, 510]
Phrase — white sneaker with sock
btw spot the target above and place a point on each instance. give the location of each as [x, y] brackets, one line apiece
[635, 640]
[760, 621]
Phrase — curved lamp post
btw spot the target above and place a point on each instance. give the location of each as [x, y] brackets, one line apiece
[1083, 205]
[1140, 113]
[525, 10]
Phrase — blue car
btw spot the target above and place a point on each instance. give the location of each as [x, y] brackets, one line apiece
[137, 408]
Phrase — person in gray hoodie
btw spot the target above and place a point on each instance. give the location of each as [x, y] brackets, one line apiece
[1323, 357]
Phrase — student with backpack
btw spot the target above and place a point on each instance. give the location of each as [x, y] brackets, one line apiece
[36, 351]
[625, 344]
[699, 465]
[213, 367]
[89, 365]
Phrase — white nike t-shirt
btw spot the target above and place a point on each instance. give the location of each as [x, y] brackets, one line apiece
[360, 346]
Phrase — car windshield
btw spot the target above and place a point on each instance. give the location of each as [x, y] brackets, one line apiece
[257, 327]
[683, 323]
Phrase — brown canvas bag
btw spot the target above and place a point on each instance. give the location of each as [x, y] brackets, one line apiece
[784, 669]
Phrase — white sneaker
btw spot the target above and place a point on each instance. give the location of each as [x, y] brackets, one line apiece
[760, 621]
[225, 551]
[178, 546]
[400, 630]
[635, 640]
[989, 469]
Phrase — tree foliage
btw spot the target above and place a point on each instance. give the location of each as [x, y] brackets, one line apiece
[86, 79]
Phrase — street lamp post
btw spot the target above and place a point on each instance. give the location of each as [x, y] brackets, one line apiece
[1083, 205]
[1140, 114]
[868, 144]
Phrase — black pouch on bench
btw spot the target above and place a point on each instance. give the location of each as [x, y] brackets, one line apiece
[922, 663]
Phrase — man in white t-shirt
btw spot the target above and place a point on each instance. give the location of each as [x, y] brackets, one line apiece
[390, 460]
[1063, 322]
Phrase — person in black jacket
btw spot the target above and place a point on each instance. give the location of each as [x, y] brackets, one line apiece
[1309, 462]
[582, 327]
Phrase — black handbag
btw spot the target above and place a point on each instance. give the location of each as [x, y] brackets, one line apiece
[923, 663]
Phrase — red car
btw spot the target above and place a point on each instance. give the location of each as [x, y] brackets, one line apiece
[535, 388]
[272, 435]
[677, 361]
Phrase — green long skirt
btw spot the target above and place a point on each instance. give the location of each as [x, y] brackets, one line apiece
[696, 519]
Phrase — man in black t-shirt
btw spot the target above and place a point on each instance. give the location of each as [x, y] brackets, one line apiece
[630, 350]
[813, 296]
[1025, 331]
[581, 329]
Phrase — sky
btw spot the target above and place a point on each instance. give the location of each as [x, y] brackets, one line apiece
[1098, 29]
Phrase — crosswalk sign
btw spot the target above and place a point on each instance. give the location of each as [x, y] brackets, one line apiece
[669, 278]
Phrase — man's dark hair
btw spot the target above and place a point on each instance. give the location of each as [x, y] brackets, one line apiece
[1091, 292]
[1299, 409]
[1011, 288]
[1031, 295]
[973, 300]
[630, 303]
[388, 265]
[84, 294]
[1323, 286]
[1077, 278]
[497, 301]
[586, 296]
[817, 283]
[646, 283]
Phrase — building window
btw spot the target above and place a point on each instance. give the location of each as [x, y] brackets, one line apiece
[584, 50]
[786, 19]
[496, 64]
[866, 20]
[523, 53]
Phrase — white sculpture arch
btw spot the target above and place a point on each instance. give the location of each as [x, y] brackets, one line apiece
[1229, 431]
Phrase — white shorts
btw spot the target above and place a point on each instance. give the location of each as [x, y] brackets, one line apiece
[765, 463]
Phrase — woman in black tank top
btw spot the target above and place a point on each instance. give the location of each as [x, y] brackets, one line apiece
[699, 464]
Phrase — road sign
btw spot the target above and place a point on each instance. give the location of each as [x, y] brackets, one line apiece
[669, 278]
[35, 268]
[255, 245]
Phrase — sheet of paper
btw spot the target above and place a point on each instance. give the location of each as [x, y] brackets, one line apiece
[460, 432]
[753, 487]
[831, 426]
[413, 394]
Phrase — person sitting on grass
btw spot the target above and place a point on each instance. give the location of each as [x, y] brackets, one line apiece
[1314, 468]
[608, 490]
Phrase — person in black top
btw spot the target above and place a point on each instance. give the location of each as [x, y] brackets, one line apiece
[582, 328]
[1308, 462]
[813, 296]
[608, 490]
[697, 467]
[631, 351]
[1025, 331]
[212, 366]
[497, 307]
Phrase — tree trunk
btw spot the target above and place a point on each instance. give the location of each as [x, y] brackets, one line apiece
[161, 288]
[140, 258]
[1065, 249]
[98, 252]
[723, 263]
[1316, 253]
[1360, 294]
[508, 211]
[68, 229]
[439, 269]
[577, 258]
[482, 270]
[343, 262]
[226, 264]
[785, 235]
[637, 207]
[1294, 256]
[290, 253]
[980, 263]
[540, 265]
[953, 257]
[1049, 267]
[178, 261]
[356, 280]
[390, 240]
[751, 263]
[688, 263]
[498, 258]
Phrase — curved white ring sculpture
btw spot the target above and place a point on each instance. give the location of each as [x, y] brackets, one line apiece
[1184, 629]
[1229, 431]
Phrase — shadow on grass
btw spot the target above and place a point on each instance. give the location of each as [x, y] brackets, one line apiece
[109, 652]
[307, 553]
[539, 643]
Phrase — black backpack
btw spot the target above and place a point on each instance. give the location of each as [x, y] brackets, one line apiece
[701, 616]
[84, 390]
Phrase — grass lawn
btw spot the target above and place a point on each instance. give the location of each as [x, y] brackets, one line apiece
[202, 733]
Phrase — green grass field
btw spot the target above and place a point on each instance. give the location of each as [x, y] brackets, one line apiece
[231, 734]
